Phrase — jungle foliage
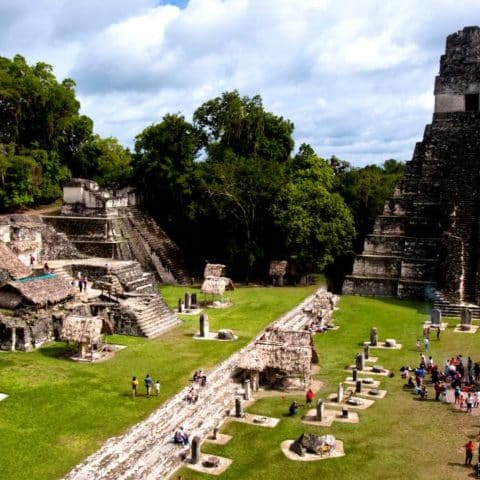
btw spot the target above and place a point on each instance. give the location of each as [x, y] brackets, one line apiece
[226, 185]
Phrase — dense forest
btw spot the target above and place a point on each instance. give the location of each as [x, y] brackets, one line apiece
[227, 186]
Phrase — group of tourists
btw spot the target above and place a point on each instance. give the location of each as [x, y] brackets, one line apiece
[148, 382]
[81, 282]
[198, 379]
[461, 377]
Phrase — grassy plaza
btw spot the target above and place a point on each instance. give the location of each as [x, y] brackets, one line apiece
[59, 411]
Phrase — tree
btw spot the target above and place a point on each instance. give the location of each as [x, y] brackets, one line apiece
[246, 149]
[316, 224]
[163, 166]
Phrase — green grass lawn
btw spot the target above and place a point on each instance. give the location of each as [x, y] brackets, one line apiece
[399, 437]
[59, 411]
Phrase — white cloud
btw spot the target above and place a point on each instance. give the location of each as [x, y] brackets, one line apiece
[356, 78]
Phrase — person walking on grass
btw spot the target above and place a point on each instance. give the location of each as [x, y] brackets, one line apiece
[156, 385]
[148, 384]
[426, 343]
[309, 397]
[134, 386]
[468, 452]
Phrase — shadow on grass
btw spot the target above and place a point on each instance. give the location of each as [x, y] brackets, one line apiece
[420, 307]
[57, 351]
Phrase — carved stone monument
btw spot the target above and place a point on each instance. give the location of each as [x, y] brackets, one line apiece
[436, 317]
[466, 317]
[188, 301]
[354, 374]
[320, 410]
[373, 337]
[360, 361]
[366, 351]
[204, 326]
[246, 388]
[195, 450]
[340, 393]
[358, 386]
[239, 408]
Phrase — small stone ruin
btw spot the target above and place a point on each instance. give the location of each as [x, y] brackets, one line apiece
[309, 443]
[321, 312]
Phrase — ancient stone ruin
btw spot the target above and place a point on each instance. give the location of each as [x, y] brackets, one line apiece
[42, 257]
[427, 236]
[277, 272]
[110, 224]
[281, 359]
[215, 284]
[310, 443]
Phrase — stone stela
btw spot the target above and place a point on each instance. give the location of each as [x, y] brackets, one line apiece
[204, 325]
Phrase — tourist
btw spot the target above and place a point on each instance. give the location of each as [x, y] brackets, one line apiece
[457, 394]
[426, 343]
[309, 396]
[148, 384]
[438, 333]
[417, 344]
[80, 281]
[180, 437]
[468, 452]
[422, 361]
[32, 260]
[134, 386]
[46, 268]
[476, 399]
[423, 392]
[438, 390]
[157, 388]
[476, 371]
[469, 403]
[293, 408]
[85, 282]
[443, 394]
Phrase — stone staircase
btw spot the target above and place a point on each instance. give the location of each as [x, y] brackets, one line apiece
[152, 315]
[167, 251]
[146, 451]
[133, 279]
[449, 309]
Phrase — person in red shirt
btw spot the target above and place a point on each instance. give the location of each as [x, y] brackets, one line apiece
[468, 452]
[309, 396]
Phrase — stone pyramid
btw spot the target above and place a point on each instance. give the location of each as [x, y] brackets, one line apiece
[428, 236]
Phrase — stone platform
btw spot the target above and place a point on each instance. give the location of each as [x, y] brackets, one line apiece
[223, 464]
[311, 457]
[329, 416]
[473, 329]
[252, 419]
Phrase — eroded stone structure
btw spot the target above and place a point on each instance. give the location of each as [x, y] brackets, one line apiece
[428, 234]
[108, 224]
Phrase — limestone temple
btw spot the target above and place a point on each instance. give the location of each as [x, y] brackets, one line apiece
[102, 236]
[427, 240]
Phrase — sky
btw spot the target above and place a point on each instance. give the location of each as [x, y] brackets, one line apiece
[355, 77]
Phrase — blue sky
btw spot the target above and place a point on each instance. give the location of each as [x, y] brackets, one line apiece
[356, 78]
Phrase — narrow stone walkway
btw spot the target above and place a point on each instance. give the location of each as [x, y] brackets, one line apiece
[146, 451]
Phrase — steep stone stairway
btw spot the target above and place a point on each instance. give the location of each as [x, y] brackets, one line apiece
[152, 315]
[168, 252]
[146, 451]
